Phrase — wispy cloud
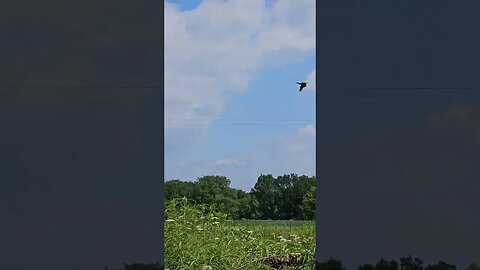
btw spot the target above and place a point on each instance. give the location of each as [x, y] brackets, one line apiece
[205, 64]
[227, 162]
[311, 79]
[212, 54]
[284, 154]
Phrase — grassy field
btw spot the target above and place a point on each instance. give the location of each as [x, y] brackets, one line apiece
[195, 240]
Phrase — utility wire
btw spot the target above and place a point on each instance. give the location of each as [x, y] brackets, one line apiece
[239, 120]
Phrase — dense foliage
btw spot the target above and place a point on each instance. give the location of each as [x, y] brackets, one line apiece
[199, 237]
[200, 232]
[281, 198]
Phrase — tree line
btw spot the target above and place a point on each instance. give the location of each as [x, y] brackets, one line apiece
[276, 198]
[405, 263]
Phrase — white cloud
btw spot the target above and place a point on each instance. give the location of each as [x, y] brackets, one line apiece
[311, 79]
[297, 145]
[290, 153]
[285, 154]
[308, 130]
[227, 162]
[214, 51]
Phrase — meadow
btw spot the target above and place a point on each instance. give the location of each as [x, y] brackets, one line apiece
[199, 237]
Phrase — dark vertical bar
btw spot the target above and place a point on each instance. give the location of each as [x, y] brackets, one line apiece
[398, 107]
[161, 137]
[81, 134]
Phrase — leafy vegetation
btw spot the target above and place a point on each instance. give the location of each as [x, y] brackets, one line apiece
[201, 237]
[209, 225]
[282, 198]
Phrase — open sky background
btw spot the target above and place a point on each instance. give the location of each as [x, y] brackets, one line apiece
[232, 105]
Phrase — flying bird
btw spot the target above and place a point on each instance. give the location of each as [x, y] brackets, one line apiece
[302, 85]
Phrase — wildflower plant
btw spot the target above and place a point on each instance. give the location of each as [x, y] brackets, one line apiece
[200, 237]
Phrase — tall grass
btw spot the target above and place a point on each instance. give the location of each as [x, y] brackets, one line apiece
[199, 237]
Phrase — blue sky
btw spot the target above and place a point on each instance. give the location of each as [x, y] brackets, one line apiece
[232, 106]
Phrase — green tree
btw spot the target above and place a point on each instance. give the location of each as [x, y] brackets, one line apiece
[284, 197]
[268, 196]
[178, 188]
[293, 189]
[212, 187]
[248, 207]
[308, 206]
[287, 207]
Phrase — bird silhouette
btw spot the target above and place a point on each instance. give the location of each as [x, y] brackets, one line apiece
[302, 85]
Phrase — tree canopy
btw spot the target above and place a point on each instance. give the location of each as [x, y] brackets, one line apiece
[283, 197]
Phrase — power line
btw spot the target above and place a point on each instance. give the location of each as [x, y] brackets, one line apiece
[245, 124]
[239, 120]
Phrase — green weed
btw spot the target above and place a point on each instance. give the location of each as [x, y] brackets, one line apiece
[199, 237]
